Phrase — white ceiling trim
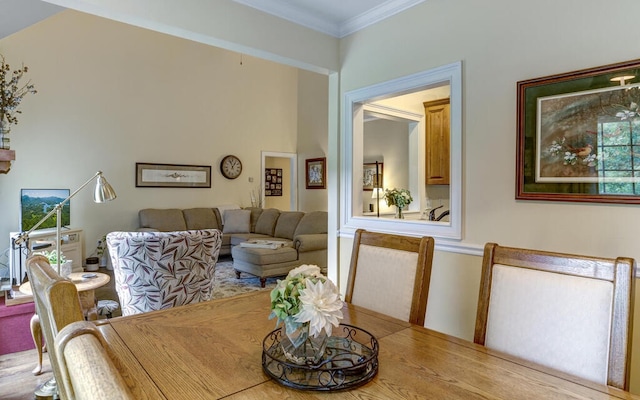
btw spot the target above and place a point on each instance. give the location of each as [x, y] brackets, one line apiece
[334, 28]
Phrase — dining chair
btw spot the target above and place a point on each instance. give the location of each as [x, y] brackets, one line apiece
[57, 305]
[390, 274]
[158, 270]
[568, 312]
[91, 373]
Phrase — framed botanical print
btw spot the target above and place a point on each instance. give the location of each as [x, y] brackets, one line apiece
[315, 172]
[579, 136]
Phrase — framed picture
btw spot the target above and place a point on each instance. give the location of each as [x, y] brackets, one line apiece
[173, 175]
[579, 136]
[273, 182]
[371, 179]
[316, 173]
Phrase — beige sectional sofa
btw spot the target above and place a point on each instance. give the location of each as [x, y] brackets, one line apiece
[303, 235]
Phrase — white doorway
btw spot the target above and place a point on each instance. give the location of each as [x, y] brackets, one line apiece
[288, 163]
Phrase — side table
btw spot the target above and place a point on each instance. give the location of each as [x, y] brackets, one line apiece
[86, 292]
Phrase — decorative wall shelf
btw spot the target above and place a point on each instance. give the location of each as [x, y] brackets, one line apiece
[6, 156]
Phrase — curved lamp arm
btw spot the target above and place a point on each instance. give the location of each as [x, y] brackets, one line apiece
[103, 192]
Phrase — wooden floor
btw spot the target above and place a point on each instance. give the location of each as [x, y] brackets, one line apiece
[16, 380]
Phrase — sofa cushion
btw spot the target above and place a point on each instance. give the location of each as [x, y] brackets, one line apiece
[255, 213]
[287, 224]
[312, 222]
[164, 220]
[224, 207]
[266, 222]
[236, 221]
[200, 218]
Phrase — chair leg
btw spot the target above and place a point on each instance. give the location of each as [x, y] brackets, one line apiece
[36, 334]
[263, 282]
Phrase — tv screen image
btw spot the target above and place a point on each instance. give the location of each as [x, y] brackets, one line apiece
[36, 203]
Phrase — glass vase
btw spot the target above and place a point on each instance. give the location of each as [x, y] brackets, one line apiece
[399, 214]
[303, 349]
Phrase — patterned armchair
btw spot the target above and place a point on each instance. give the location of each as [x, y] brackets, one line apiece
[158, 270]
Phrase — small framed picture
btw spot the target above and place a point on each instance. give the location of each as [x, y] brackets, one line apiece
[273, 182]
[371, 178]
[316, 173]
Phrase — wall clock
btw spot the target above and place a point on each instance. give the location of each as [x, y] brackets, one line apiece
[231, 167]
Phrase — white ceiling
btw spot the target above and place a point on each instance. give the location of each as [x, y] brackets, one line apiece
[337, 18]
[18, 14]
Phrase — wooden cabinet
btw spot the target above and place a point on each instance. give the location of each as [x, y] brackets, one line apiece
[437, 142]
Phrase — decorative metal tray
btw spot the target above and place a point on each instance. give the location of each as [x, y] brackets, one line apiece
[350, 360]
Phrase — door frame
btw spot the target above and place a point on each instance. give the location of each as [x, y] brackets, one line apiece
[293, 164]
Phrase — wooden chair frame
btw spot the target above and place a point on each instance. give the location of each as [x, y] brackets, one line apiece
[57, 305]
[424, 246]
[619, 271]
[90, 371]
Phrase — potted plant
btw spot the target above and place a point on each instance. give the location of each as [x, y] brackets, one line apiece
[11, 94]
[65, 265]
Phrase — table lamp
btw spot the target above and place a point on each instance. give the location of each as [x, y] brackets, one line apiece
[103, 192]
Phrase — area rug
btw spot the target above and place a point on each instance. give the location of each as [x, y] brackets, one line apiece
[226, 284]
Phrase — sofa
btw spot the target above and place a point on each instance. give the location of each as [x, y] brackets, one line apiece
[302, 236]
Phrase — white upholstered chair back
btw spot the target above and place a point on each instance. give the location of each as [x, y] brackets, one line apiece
[390, 274]
[566, 312]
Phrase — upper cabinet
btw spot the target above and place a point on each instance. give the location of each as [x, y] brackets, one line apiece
[437, 141]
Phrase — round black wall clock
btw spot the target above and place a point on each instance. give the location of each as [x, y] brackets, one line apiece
[230, 167]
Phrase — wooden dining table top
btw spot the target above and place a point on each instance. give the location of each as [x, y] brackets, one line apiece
[213, 350]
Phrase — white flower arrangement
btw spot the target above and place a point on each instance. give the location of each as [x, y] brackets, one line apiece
[398, 197]
[305, 296]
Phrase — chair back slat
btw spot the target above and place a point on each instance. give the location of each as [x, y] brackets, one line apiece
[91, 372]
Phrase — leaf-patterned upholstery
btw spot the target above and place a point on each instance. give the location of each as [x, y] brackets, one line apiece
[158, 270]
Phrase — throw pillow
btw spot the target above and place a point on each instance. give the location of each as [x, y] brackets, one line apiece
[236, 221]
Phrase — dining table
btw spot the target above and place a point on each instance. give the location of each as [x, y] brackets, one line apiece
[213, 350]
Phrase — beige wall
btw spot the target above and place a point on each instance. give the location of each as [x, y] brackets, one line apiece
[110, 95]
[501, 43]
[313, 100]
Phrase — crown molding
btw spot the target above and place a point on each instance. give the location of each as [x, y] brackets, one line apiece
[331, 27]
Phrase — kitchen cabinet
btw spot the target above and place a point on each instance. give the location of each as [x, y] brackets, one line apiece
[437, 142]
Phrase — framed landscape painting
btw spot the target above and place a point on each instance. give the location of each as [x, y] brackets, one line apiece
[579, 136]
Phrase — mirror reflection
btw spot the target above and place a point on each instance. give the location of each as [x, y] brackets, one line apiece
[406, 153]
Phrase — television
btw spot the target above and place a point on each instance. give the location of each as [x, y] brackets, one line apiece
[36, 203]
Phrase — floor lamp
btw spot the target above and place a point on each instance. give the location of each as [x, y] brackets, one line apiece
[103, 192]
[377, 189]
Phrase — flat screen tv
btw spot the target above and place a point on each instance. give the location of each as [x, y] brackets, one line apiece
[36, 203]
